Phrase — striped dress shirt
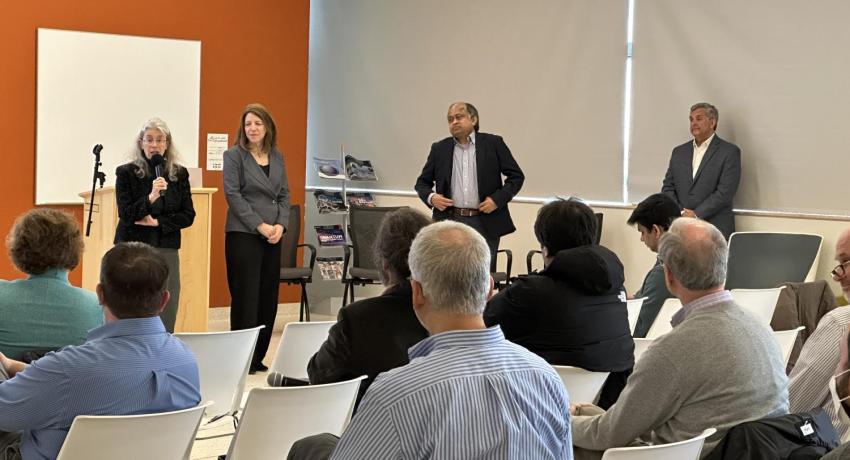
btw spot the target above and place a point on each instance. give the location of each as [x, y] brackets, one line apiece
[465, 175]
[126, 367]
[464, 395]
[807, 383]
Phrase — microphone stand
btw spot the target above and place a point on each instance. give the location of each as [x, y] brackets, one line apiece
[98, 176]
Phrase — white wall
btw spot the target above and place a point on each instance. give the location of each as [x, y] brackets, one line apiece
[616, 235]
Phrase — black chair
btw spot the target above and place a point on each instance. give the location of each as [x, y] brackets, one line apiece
[290, 272]
[358, 266]
[761, 260]
[529, 258]
[502, 279]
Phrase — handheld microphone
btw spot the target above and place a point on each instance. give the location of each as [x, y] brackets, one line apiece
[96, 150]
[157, 160]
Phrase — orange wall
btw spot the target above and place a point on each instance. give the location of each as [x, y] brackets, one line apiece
[250, 52]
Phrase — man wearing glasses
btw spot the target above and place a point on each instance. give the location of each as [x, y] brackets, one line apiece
[808, 384]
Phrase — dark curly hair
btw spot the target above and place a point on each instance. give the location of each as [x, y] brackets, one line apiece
[44, 239]
[392, 244]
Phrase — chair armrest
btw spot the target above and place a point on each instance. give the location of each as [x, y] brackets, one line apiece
[529, 257]
[510, 255]
[312, 253]
[345, 260]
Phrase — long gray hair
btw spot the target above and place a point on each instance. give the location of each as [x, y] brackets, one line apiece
[170, 156]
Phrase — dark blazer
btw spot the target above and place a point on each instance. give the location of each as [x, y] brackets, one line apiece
[493, 159]
[174, 210]
[252, 197]
[371, 336]
[709, 194]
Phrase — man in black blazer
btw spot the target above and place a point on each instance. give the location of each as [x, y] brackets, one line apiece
[467, 170]
[704, 173]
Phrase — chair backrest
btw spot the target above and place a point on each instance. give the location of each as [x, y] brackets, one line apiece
[582, 385]
[760, 302]
[786, 340]
[274, 418]
[633, 306]
[106, 437]
[682, 450]
[223, 361]
[759, 260]
[298, 343]
[640, 346]
[289, 241]
[662, 325]
[365, 222]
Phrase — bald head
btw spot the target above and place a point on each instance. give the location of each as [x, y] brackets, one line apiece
[452, 262]
[463, 120]
[842, 256]
[695, 253]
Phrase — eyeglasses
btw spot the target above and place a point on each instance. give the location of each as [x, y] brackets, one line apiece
[840, 270]
[151, 140]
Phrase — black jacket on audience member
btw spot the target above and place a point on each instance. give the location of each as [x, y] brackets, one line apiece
[371, 336]
[572, 313]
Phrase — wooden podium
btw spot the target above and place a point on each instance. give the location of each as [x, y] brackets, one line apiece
[194, 253]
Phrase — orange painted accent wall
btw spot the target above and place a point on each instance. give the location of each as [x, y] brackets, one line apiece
[250, 52]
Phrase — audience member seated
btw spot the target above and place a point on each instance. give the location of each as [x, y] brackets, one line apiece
[653, 217]
[808, 383]
[372, 335]
[839, 395]
[43, 312]
[467, 392]
[718, 367]
[130, 365]
[573, 313]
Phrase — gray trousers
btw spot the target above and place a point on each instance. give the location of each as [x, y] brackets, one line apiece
[169, 314]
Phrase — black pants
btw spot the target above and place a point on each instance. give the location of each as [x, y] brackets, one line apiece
[492, 241]
[253, 276]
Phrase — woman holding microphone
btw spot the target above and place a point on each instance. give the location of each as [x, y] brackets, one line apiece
[155, 202]
[257, 193]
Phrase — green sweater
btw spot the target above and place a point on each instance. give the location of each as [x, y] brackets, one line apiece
[717, 368]
[44, 312]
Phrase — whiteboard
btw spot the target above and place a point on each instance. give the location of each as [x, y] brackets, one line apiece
[100, 89]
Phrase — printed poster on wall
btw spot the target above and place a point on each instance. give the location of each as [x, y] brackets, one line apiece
[216, 145]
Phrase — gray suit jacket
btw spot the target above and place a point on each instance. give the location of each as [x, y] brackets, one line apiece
[709, 194]
[252, 197]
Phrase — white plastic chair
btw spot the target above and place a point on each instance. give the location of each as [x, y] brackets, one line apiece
[274, 418]
[633, 306]
[223, 361]
[582, 385]
[682, 450]
[298, 343]
[760, 302]
[133, 437]
[662, 325]
[786, 340]
[640, 346]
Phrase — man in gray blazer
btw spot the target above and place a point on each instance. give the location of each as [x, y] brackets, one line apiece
[704, 173]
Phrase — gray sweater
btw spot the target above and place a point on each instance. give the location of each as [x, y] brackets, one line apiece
[717, 368]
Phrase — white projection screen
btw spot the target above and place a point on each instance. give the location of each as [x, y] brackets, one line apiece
[99, 89]
[777, 72]
[547, 75]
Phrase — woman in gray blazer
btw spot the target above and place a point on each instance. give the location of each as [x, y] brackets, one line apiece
[257, 193]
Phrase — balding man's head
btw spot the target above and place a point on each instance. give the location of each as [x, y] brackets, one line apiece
[841, 273]
[452, 263]
[695, 253]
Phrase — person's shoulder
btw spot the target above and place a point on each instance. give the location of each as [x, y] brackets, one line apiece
[126, 169]
[685, 147]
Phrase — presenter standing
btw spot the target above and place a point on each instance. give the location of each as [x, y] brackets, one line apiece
[466, 169]
[155, 202]
[257, 193]
[704, 173]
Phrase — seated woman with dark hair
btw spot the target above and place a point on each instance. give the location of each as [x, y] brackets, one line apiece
[44, 312]
[372, 335]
